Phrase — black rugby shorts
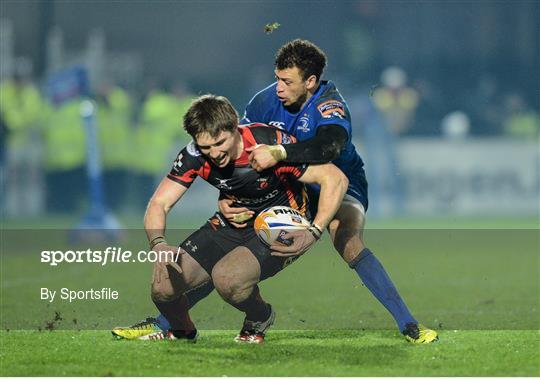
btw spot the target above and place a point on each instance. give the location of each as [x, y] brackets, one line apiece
[216, 238]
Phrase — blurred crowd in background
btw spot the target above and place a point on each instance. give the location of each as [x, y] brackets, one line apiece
[140, 126]
[44, 145]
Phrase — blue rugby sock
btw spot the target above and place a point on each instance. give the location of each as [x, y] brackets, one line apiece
[375, 278]
[163, 323]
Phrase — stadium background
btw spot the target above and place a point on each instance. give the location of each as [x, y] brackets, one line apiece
[445, 104]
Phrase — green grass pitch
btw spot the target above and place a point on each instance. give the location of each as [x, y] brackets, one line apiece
[286, 353]
[478, 287]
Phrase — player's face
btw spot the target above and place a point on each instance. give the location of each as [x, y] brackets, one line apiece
[291, 87]
[222, 149]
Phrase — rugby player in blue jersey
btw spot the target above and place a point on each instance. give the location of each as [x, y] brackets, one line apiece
[314, 111]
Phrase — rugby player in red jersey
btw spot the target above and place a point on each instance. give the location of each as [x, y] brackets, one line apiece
[234, 259]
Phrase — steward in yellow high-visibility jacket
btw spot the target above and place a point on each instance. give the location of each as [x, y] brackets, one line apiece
[65, 157]
[114, 110]
[158, 138]
[22, 110]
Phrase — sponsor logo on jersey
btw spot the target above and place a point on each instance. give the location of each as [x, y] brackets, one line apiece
[332, 108]
[277, 124]
[248, 201]
[263, 183]
[222, 184]
[304, 124]
[192, 149]
[286, 139]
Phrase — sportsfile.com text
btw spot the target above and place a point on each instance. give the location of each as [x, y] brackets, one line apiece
[103, 257]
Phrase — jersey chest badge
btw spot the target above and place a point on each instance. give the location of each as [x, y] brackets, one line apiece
[192, 149]
[304, 124]
[262, 183]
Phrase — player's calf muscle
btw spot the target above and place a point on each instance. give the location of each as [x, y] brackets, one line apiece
[346, 231]
[348, 246]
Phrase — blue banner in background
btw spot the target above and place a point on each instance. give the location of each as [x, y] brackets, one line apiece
[67, 84]
[73, 84]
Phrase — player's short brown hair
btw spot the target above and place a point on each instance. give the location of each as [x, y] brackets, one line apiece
[305, 55]
[210, 114]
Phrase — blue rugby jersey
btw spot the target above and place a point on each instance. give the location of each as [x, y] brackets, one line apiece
[326, 106]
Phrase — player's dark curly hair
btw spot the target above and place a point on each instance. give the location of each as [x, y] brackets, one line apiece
[305, 55]
[210, 114]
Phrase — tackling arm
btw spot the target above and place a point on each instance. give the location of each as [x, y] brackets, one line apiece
[324, 147]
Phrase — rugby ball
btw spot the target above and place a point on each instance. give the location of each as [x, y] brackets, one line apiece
[274, 222]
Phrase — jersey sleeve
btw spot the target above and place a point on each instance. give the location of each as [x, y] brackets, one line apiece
[252, 112]
[270, 135]
[334, 111]
[248, 115]
[284, 138]
[259, 107]
[291, 170]
[187, 166]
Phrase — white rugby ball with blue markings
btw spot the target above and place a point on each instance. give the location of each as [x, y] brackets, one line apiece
[273, 223]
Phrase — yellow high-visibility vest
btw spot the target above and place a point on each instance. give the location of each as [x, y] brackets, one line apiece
[114, 125]
[65, 138]
[23, 111]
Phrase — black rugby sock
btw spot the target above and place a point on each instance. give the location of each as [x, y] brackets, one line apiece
[255, 308]
[176, 312]
[194, 295]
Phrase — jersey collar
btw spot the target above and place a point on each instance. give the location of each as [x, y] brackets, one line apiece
[249, 140]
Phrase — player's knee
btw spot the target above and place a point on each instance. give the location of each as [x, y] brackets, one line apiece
[229, 287]
[224, 283]
[234, 293]
[163, 292]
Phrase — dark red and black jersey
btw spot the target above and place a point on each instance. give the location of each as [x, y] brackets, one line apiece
[239, 181]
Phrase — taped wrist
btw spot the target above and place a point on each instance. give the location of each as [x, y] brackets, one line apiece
[278, 152]
[316, 231]
[157, 240]
[240, 218]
